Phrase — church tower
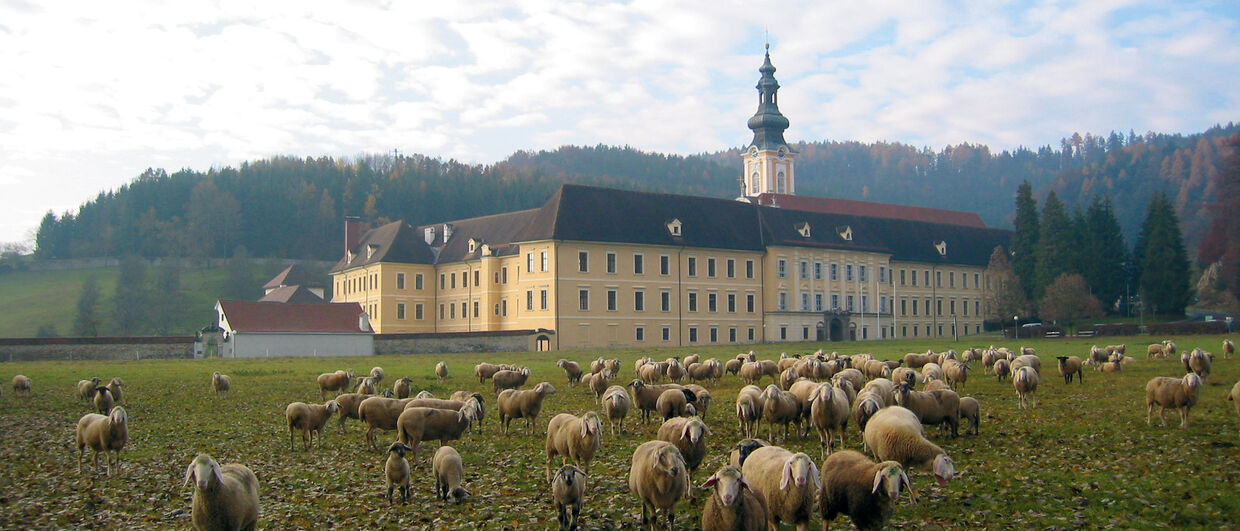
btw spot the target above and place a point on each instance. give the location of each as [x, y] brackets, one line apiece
[768, 159]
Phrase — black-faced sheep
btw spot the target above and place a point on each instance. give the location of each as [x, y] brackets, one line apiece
[689, 436]
[513, 404]
[449, 472]
[568, 489]
[896, 434]
[658, 477]
[1171, 393]
[396, 472]
[1070, 366]
[788, 481]
[864, 490]
[103, 434]
[103, 400]
[574, 438]
[225, 497]
[733, 504]
[741, 450]
[309, 419]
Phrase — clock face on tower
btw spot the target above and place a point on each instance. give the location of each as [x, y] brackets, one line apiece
[783, 151]
[753, 151]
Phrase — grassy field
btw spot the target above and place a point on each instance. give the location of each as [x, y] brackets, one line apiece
[1084, 458]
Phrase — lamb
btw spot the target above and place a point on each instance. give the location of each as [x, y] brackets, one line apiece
[310, 419]
[334, 381]
[572, 370]
[932, 407]
[568, 489]
[349, 404]
[114, 387]
[21, 385]
[103, 400]
[779, 407]
[1069, 366]
[513, 404]
[402, 387]
[1002, 369]
[1173, 393]
[485, 370]
[377, 374]
[225, 497]
[1229, 348]
[510, 379]
[574, 438]
[1025, 379]
[733, 504]
[104, 434]
[956, 372]
[788, 481]
[441, 371]
[971, 410]
[396, 471]
[449, 474]
[895, 434]
[864, 490]
[1199, 363]
[829, 409]
[659, 479]
[86, 389]
[380, 413]
[221, 383]
[365, 386]
[689, 436]
[616, 406]
[673, 402]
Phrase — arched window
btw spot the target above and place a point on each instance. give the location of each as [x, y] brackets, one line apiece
[754, 183]
[779, 182]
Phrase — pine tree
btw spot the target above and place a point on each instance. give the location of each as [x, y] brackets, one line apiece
[1161, 259]
[1025, 239]
[1106, 256]
[1056, 244]
[1004, 295]
[86, 323]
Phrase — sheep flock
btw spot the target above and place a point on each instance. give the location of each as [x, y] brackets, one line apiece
[312, 443]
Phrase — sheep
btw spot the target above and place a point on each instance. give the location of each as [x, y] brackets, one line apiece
[568, 489]
[702, 399]
[779, 407]
[599, 383]
[751, 373]
[702, 372]
[221, 383]
[334, 381]
[852, 375]
[786, 361]
[935, 385]
[956, 373]
[932, 371]
[673, 402]
[876, 369]
[829, 409]
[866, 406]
[1070, 366]
[86, 389]
[449, 474]
[915, 360]
[1111, 349]
[787, 378]
[689, 436]
[788, 481]
[971, 410]
[749, 409]
[1111, 366]
[1199, 363]
[380, 413]
[932, 407]
[114, 387]
[1025, 379]
[864, 490]
[574, 438]
[21, 385]
[1098, 355]
[485, 370]
[650, 373]
[103, 400]
[106, 434]
[225, 497]
[377, 374]
[513, 404]
[571, 369]
[310, 419]
[402, 387]
[612, 367]
[510, 379]
[646, 396]
[658, 478]
[905, 374]
[1229, 348]
[1173, 393]
[1155, 351]
[675, 371]
[1169, 347]
[417, 424]
[733, 504]
[989, 356]
[441, 371]
[1028, 360]
[616, 406]
[396, 471]
[1234, 396]
[349, 404]
[741, 450]
[1002, 369]
[895, 434]
[365, 386]
[732, 366]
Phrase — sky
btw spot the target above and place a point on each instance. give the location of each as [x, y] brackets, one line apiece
[93, 93]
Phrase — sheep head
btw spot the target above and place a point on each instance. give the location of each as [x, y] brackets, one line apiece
[798, 469]
[205, 472]
[544, 388]
[890, 477]
[590, 424]
[333, 407]
[118, 416]
[944, 469]
[399, 448]
[458, 495]
[727, 483]
[694, 429]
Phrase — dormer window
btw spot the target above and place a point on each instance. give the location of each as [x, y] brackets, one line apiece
[673, 227]
[474, 243]
[803, 229]
[845, 233]
[941, 247]
[370, 250]
[428, 234]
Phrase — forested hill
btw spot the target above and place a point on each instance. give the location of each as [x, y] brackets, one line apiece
[288, 207]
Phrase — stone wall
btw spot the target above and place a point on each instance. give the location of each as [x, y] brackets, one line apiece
[95, 348]
[505, 341]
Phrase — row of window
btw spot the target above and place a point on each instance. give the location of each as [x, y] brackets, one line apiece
[849, 303]
[938, 306]
[917, 331]
[357, 284]
[665, 268]
[639, 334]
[665, 301]
[818, 270]
[911, 278]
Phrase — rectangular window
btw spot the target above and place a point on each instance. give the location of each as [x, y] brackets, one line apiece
[417, 281]
[861, 274]
[927, 311]
[804, 269]
[938, 306]
[914, 283]
[441, 281]
[748, 268]
[639, 264]
[712, 302]
[732, 335]
[639, 301]
[503, 308]
[692, 266]
[503, 275]
[611, 263]
[544, 299]
[400, 311]
[529, 262]
[927, 284]
[835, 271]
[749, 303]
[951, 306]
[865, 303]
[848, 273]
[951, 279]
[544, 261]
[710, 267]
[400, 281]
[476, 277]
[692, 301]
[783, 301]
[818, 302]
[693, 334]
[903, 306]
[611, 300]
[914, 307]
[665, 301]
[804, 332]
[781, 268]
[667, 334]
[476, 309]
[804, 302]
[639, 333]
[938, 279]
[714, 335]
[417, 312]
[452, 280]
[441, 316]
[783, 332]
[452, 311]
[817, 270]
[664, 265]
[902, 277]
[849, 301]
[583, 261]
[731, 268]
[495, 279]
[977, 307]
[731, 303]
[964, 306]
[882, 274]
[529, 299]
[976, 282]
[751, 334]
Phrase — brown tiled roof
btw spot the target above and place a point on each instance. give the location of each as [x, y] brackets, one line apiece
[395, 242]
[293, 275]
[333, 318]
[286, 294]
[877, 210]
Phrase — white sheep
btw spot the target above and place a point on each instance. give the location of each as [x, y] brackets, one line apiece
[485, 370]
[896, 434]
[1025, 380]
[659, 478]
[21, 385]
[513, 404]
[829, 411]
[689, 436]
[598, 384]
[568, 489]
[733, 504]
[510, 379]
[1173, 393]
[701, 399]
[1028, 360]
[780, 407]
[220, 383]
[86, 389]
[403, 387]
[309, 419]
[572, 370]
[424, 395]
[365, 386]
[1199, 362]
[376, 374]
[788, 481]
[573, 438]
[1002, 368]
[970, 409]
[225, 497]
[334, 381]
[114, 387]
[417, 424]
[106, 434]
[956, 373]
[616, 406]
[349, 404]
[749, 405]
[441, 371]
[866, 491]
[449, 472]
[396, 472]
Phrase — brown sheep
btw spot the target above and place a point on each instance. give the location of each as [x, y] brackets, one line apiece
[334, 381]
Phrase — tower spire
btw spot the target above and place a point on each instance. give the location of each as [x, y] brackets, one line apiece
[768, 158]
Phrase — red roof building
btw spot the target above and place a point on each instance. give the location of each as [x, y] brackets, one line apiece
[267, 329]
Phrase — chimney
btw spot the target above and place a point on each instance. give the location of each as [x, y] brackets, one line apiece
[352, 233]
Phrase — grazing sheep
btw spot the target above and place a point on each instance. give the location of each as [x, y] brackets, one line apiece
[914, 360]
[780, 407]
[396, 472]
[402, 387]
[334, 381]
[704, 371]
[674, 402]
[895, 434]
[1199, 363]
[971, 410]
[380, 413]
[21, 385]
[853, 376]
[1169, 348]
[876, 369]
[449, 473]
[612, 367]
[365, 386]
[310, 419]
[599, 383]
[1098, 355]
[513, 404]
[956, 373]
[749, 409]
[733, 504]
[510, 379]
[1229, 348]
[1069, 366]
[937, 407]
[106, 434]
[485, 370]
[788, 481]
[573, 438]
[221, 383]
[349, 404]
[616, 406]
[689, 436]
[905, 374]
[1155, 351]
[441, 371]
[864, 490]
[568, 489]
[701, 400]
[751, 373]
[103, 400]
[377, 374]
[1002, 369]
[829, 411]
[572, 370]
[86, 389]
[1173, 393]
[1025, 380]
[225, 497]
[114, 387]
[424, 395]
[659, 479]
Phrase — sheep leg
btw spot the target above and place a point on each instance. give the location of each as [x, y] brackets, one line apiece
[389, 493]
[1162, 415]
[1149, 414]
[1184, 418]
[81, 457]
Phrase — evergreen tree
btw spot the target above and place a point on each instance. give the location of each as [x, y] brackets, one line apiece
[1105, 254]
[130, 302]
[1025, 239]
[1055, 250]
[1004, 295]
[1161, 259]
[86, 323]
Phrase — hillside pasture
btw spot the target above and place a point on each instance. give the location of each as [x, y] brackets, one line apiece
[1083, 458]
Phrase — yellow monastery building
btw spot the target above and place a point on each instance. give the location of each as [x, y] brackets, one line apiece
[596, 267]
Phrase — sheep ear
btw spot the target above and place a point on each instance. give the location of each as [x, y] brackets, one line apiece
[710, 482]
[189, 473]
[909, 485]
[878, 480]
[787, 476]
[684, 432]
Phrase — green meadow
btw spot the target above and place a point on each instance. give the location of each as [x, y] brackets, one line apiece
[1083, 458]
